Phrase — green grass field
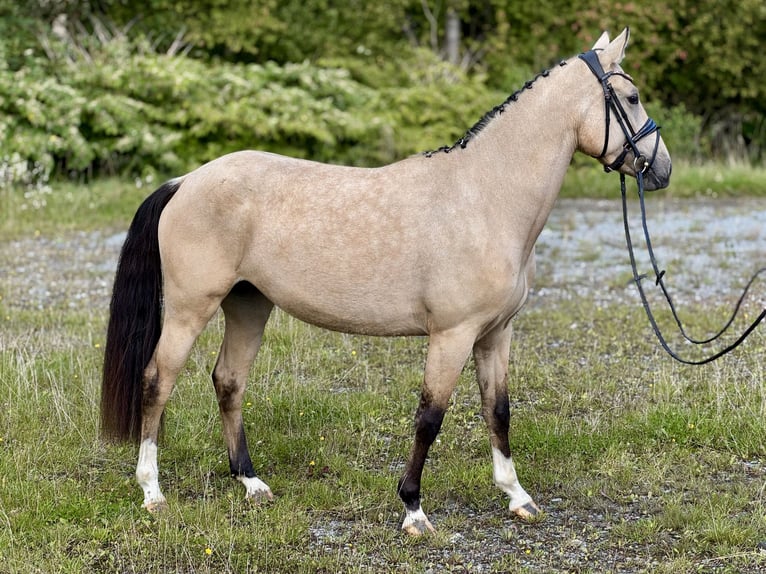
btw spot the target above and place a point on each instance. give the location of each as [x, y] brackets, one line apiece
[641, 464]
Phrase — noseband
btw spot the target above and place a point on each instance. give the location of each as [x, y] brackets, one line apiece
[612, 103]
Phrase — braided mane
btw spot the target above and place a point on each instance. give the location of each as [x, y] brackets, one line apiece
[489, 116]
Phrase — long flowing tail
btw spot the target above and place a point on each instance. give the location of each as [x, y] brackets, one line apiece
[134, 320]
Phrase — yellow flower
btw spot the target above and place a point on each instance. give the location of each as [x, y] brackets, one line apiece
[208, 551]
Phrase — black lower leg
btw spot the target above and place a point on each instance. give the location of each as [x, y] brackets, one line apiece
[229, 392]
[428, 421]
[239, 457]
[499, 423]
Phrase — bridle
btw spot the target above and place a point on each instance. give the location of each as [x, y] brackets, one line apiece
[640, 165]
[612, 104]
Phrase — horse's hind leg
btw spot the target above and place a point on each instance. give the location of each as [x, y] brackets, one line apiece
[246, 311]
[491, 355]
[180, 328]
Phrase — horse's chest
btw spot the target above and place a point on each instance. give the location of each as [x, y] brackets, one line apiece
[518, 287]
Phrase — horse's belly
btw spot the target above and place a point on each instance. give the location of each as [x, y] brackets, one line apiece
[382, 318]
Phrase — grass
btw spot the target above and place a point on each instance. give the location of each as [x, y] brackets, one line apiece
[667, 453]
[69, 206]
[642, 465]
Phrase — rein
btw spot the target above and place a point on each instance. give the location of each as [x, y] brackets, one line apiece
[640, 165]
[659, 276]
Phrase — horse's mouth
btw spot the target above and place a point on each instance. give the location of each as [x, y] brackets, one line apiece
[657, 179]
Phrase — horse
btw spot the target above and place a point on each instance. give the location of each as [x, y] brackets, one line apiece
[439, 244]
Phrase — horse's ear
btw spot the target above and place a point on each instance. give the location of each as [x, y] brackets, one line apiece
[615, 51]
[602, 42]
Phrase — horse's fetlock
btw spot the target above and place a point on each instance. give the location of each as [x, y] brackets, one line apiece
[502, 412]
[409, 493]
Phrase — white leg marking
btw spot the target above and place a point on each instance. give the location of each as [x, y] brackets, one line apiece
[416, 522]
[504, 474]
[147, 475]
[255, 488]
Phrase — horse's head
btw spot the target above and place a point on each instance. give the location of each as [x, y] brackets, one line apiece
[616, 128]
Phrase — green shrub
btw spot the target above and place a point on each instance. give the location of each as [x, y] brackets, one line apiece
[681, 131]
[92, 107]
[120, 108]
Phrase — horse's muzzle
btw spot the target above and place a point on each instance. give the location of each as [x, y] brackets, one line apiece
[657, 177]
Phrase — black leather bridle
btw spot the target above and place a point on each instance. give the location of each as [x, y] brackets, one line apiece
[612, 104]
[640, 165]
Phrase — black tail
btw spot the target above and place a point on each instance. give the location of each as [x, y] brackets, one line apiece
[134, 320]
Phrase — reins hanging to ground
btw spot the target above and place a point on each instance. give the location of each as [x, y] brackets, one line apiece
[659, 282]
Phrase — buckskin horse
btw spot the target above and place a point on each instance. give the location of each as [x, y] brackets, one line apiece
[440, 244]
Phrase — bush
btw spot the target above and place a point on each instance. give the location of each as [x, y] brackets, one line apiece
[94, 107]
[681, 131]
[118, 107]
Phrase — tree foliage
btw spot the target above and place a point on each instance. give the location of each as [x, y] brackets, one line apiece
[120, 107]
[108, 86]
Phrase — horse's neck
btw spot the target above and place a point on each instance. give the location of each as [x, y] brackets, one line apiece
[531, 144]
[522, 155]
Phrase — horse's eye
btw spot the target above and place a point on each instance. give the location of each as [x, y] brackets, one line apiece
[633, 99]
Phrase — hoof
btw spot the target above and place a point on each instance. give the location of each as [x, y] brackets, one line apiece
[256, 490]
[260, 496]
[418, 528]
[156, 506]
[528, 512]
[416, 523]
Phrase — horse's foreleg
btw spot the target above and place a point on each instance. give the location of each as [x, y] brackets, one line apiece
[491, 354]
[246, 311]
[447, 353]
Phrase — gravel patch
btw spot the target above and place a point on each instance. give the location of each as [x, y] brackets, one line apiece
[709, 249]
